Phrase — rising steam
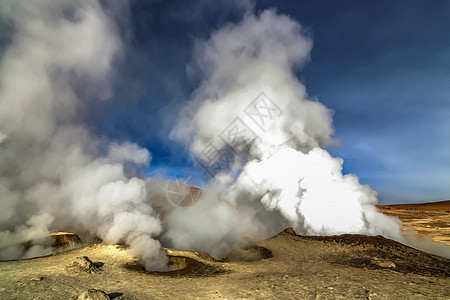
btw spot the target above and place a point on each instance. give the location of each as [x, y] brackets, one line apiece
[56, 175]
[286, 173]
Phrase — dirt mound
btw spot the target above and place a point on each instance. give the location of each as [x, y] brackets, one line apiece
[197, 255]
[181, 266]
[185, 263]
[190, 267]
[380, 252]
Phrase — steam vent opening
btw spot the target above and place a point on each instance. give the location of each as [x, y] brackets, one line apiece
[185, 264]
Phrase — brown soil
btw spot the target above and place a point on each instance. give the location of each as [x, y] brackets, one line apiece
[287, 266]
[428, 206]
[428, 219]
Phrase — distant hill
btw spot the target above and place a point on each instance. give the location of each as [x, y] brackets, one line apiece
[440, 205]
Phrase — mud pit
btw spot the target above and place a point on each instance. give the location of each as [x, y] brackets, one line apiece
[348, 266]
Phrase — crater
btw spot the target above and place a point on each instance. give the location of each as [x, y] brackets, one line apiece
[183, 266]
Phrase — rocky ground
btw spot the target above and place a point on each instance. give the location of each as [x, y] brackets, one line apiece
[286, 266]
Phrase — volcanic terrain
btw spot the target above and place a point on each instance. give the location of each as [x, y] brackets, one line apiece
[287, 266]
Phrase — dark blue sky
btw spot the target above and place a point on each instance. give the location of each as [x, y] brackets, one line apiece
[382, 66]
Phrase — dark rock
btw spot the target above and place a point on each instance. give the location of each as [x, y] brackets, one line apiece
[83, 263]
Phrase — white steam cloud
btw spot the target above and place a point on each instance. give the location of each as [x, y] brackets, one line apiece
[52, 172]
[285, 178]
[298, 181]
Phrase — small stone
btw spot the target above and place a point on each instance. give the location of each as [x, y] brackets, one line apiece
[83, 263]
[383, 263]
[93, 294]
[38, 278]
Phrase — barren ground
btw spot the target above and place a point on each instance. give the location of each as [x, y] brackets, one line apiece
[428, 219]
[295, 267]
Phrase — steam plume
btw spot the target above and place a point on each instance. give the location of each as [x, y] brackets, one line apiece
[296, 182]
[285, 177]
[54, 174]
